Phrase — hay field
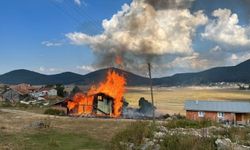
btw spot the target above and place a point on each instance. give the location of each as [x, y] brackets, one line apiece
[171, 100]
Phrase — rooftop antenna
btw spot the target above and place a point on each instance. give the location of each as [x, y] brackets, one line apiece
[151, 90]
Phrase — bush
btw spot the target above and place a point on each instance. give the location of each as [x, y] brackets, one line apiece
[22, 105]
[6, 104]
[54, 112]
[178, 116]
[53, 143]
[134, 133]
[182, 142]
[184, 123]
[236, 134]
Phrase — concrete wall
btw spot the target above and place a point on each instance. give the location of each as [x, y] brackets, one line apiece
[52, 92]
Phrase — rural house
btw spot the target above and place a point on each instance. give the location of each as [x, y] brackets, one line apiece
[17, 93]
[98, 104]
[14, 95]
[221, 111]
[43, 92]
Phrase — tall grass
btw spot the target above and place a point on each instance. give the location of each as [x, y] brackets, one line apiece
[134, 133]
[240, 135]
[185, 123]
[187, 142]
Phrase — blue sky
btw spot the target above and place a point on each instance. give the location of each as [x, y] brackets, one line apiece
[26, 24]
[32, 34]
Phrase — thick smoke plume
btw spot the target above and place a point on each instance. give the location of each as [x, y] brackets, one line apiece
[144, 31]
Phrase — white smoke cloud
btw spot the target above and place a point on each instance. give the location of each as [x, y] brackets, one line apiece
[225, 29]
[144, 30]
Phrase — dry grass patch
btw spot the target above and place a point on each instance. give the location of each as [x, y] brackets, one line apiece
[171, 100]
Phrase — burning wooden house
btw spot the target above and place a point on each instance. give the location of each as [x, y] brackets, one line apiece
[104, 100]
[103, 104]
[99, 104]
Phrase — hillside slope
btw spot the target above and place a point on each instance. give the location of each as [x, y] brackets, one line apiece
[238, 73]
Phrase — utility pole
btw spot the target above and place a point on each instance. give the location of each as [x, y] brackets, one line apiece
[151, 90]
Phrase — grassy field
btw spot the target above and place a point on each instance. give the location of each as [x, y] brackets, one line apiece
[17, 131]
[171, 100]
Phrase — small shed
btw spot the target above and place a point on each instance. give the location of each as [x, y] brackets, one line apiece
[61, 105]
[222, 111]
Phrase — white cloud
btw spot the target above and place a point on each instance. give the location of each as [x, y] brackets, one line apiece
[51, 44]
[238, 58]
[41, 69]
[78, 2]
[216, 49]
[225, 29]
[234, 57]
[85, 68]
[45, 70]
[192, 63]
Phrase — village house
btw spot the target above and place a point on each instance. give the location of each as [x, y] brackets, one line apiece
[13, 95]
[17, 92]
[3, 88]
[232, 112]
[44, 92]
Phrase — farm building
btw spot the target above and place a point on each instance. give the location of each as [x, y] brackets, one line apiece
[50, 92]
[61, 105]
[221, 111]
[14, 96]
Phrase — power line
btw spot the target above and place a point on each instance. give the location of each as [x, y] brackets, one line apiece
[77, 14]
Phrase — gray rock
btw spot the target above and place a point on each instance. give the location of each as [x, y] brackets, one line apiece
[148, 145]
[224, 144]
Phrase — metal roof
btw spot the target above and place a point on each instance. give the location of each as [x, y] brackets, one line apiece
[218, 106]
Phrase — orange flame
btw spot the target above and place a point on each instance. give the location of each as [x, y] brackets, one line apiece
[113, 86]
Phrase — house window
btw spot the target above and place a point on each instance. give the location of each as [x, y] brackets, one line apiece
[201, 114]
[220, 114]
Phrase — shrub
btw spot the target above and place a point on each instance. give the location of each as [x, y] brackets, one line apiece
[22, 105]
[166, 116]
[56, 112]
[134, 133]
[182, 142]
[184, 123]
[53, 143]
[178, 116]
[236, 134]
[6, 104]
